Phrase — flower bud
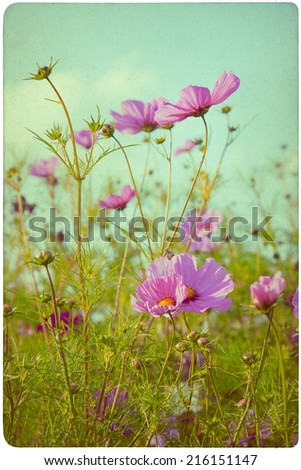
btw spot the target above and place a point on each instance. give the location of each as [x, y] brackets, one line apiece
[160, 140]
[249, 358]
[167, 126]
[7, 310]
[43, 72]
[226, 109]
[108, 130]
[60, 301]
[203, 341]
[44, 258]
[242, 402]
[137, 363]
[44, 298]
[182, 346]
[193, 336]
[74, 388]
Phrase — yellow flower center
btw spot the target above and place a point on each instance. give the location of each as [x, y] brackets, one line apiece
[166, 302]
[191, 292]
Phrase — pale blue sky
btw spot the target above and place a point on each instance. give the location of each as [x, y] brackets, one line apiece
[112, 52]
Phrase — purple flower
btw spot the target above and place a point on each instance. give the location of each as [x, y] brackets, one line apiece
[160, 296]
[67, 321]
[265, 292]
[295, 302]
[45, 169]
[106, 405]
[189, 145]
[137, 116]
[175, 285]
[113, 201]
[187, 358]
[84, 138]
[199, 231]
[25, 206]
[207, 287]
[196, 101]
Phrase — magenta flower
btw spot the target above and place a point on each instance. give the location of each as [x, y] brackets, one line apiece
[114, 201]
[163, 291]
[198, 229]
[84, 138]
[207, 287]
[195, 100]
[295, 302]
[137, 116]
[67, 322]
[160, 296]
[265, 292]
[45, 169]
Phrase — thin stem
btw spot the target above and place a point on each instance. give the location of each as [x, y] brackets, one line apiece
[208, 191]
[137, 194]
[208, 368]
[70, 128]
[168, 193]
[191, 187]
[169, 349]
[124, 259]
[282, 374]
[251, 381]
[59, 343]
[259, 370]
[191, 374]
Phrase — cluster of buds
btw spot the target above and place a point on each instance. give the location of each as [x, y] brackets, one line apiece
[44, 258]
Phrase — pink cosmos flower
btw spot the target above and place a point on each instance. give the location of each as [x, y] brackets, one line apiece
[198, 229]
[45, 169]
[114, 201]
[196, 101]
[265, 292]
[189, 145]
[160, 296]
[295, 302]
[84, 138]
[163, 291]
[137, 116]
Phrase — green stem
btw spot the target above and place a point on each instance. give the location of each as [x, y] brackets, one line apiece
[137, 194]
[251, 381]
[59, 344]
[169, 350]
[282, 374]
[259, 370]
[208, 368]
[70, 127]
[191, 187]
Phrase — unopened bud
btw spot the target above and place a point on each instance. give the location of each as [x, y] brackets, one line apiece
[160, 140]
[44, 258]
[74, 388]
[193, 335]
[7, 309]
[137, 363]
[226, 109]
[182, 346]
[108, 130]
[44, 298]
[249, 358]
[60, 301]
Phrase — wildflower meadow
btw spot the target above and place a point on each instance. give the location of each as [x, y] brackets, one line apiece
[150, 315]
[172, 335]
